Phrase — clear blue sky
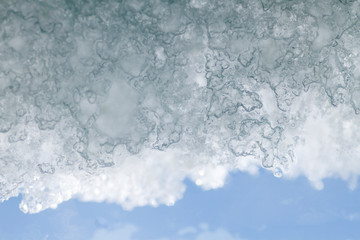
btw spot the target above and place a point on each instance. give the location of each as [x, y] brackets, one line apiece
[248, 207]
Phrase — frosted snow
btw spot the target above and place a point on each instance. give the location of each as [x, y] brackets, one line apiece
[121, 101]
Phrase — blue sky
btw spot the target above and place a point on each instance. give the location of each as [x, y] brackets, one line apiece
[248, 207]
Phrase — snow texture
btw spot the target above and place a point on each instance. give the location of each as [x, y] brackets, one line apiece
[121, 101]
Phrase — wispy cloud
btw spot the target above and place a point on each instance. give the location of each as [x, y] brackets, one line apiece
[128, 232]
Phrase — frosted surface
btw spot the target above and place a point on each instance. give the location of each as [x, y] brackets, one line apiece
[120, 101]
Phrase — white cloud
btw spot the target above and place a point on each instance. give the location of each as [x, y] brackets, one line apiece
[115, 233]
[216, 235]
[187, 230]
[127, 232]
[354, 216]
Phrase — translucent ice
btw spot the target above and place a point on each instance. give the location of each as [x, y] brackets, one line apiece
[121, 101]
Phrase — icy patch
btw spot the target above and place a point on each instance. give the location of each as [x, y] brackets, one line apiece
[116, 113]
[122, 102]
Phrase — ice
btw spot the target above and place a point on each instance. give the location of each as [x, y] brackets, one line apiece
[121, 102]
[117, 112]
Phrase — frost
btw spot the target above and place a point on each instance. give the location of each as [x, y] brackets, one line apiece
[122, 101]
